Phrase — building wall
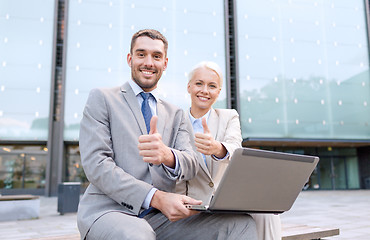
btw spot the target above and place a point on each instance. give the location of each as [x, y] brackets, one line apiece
[304, 69]
[303, 75]
[26, 45]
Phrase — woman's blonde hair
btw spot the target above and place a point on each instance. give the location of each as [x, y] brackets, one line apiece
[209, 65]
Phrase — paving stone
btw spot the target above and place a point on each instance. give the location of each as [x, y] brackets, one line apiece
[347, 210]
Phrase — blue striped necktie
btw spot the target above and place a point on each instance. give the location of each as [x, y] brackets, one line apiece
[147, 113]
[145, 109]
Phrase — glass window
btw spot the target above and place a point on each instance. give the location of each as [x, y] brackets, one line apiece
[26, 43]
[353, 173]
[98, 47]
[304, 69]
[22, 166]
[74, 170]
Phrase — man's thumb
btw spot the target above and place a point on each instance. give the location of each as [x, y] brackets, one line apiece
[205, 126]
[153, 125]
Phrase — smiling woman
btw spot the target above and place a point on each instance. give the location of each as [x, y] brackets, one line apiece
[217, 135]
[205, 82]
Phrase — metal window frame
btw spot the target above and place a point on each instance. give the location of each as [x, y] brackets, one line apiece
[367, 16]
[232, 66]
[55, 144]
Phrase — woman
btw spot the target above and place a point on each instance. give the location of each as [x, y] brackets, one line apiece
[217, 135]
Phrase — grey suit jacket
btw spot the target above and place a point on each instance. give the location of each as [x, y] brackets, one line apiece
[224, 125]
[119, 179]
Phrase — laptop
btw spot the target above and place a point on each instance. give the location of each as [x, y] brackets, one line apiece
[260, 181]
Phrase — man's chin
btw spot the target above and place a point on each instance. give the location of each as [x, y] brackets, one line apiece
[146, 85]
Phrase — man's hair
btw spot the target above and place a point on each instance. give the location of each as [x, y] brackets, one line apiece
[208, 65]
[151, 33]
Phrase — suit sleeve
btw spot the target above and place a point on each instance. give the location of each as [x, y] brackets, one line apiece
[184, 149]
[97, 157]
[233, 137]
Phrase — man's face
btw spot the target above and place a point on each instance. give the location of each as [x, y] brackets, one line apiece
[147, 61]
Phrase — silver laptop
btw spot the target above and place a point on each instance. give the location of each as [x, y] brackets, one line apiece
[259, 181]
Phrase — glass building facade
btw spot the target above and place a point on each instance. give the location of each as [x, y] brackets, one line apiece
[301, 78]
[97, 47]
[311, 80]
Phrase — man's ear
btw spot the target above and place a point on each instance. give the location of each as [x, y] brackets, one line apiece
[129, 58]
[165, 64]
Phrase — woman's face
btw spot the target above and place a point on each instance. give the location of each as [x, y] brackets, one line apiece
[204, 88]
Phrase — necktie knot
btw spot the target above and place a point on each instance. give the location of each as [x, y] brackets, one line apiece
[145, 95]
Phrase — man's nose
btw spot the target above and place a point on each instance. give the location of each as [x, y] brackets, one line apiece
[148, 61]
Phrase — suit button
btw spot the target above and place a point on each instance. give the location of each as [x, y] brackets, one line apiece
[211, 184]
[151, 164]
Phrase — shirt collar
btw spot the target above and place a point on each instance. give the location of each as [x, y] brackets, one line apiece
[137, 89]
[192, 119]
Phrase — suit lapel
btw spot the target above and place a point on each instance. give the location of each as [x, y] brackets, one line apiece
[199, 155]
[203, 164]
[131, 100]
[213, 123]
[162, 119]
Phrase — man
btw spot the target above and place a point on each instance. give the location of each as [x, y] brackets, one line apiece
[133, 163]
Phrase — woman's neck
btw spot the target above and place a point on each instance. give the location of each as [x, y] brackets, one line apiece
[198, 112]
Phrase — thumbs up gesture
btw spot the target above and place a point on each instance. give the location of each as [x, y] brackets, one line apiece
[153, 125]
[206, 144]
[152, 149]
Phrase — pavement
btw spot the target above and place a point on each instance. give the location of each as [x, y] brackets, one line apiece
[347, 210]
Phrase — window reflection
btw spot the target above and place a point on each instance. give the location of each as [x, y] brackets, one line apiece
[97, 47]
[300, 64]
[22, 167]
[25, 68]
[74, 170]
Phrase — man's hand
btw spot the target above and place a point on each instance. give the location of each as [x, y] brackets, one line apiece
[173, 205]
[206, 144]
[153, 149]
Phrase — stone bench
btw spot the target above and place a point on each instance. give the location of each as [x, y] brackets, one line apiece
[303, 232]
[19, 207]
[64, 237]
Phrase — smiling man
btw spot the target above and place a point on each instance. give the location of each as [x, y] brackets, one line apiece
[133, 148]
[147, 65]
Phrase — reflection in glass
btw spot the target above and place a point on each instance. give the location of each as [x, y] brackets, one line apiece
[304, 69]
[22, 167]
[26, 41]
[326, 176]
[98, 46]
[352, 172]
[74, 170]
